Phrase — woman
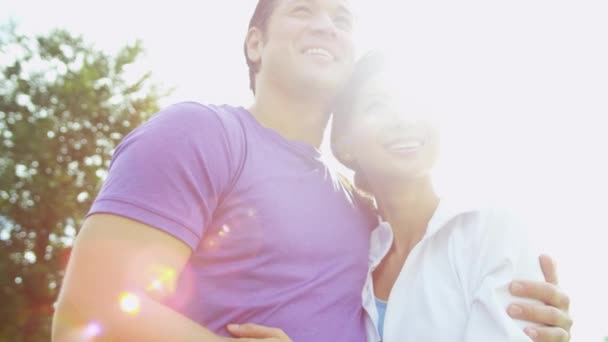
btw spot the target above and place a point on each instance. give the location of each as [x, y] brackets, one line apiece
[446, 263]
[439, 269]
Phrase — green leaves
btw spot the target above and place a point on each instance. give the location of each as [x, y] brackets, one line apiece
[64, 106]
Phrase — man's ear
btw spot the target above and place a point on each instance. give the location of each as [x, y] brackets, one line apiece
[254, 43]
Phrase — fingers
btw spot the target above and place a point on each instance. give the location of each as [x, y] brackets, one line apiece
[541, 314]
[547, 264]
[547, 334]
[545, 292]
[250, 330]
[554, 315]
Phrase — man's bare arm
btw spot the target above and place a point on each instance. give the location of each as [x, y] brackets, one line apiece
[554, 315]
[118, 270]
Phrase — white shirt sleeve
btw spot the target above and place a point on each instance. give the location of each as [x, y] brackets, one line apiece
[501, 253]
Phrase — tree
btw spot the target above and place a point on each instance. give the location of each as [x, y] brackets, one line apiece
[64, 106]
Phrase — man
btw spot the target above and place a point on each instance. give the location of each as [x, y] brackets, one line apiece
[213, 215]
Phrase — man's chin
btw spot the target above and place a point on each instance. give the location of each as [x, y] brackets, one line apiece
[321, 86]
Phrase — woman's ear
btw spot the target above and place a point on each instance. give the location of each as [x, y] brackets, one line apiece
[342, 151]
[347, 157]
[254, 44]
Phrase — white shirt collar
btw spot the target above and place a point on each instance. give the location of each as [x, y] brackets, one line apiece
[382, 236]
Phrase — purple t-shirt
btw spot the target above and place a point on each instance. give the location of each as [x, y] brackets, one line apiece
[276, 238]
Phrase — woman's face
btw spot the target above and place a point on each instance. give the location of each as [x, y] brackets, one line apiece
[391, 138]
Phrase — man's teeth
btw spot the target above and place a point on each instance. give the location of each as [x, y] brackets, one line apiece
[319, 52]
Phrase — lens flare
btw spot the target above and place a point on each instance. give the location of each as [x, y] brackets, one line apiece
[92, 330]
[156, 285]
[129, 303]
[210, 242]
[224, 231]
[163, 281]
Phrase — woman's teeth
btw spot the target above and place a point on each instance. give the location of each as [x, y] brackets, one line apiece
[406, 146]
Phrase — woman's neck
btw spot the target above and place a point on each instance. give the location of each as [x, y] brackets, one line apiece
[408, 206]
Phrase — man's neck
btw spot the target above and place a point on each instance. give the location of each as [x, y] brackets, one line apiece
[294, 116]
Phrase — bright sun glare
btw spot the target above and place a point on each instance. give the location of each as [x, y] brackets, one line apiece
[520, 86]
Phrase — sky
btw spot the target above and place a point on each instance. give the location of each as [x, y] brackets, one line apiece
[521, 88]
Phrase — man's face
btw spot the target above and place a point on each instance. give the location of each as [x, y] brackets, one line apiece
[307, 46]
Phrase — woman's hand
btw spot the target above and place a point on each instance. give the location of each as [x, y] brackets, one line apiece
[553, 315]
[257, 333]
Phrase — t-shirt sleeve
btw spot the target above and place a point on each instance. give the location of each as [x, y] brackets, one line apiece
[504, 254]
[170, 173]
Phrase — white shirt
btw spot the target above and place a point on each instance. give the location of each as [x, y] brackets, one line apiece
[454, 285]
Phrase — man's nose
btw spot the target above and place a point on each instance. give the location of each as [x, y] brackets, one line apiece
[324, 24]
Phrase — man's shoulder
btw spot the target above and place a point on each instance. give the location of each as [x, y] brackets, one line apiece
[194, 122]
[194, 114]
[187, 128]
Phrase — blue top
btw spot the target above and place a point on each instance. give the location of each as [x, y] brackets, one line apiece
[381, 305]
